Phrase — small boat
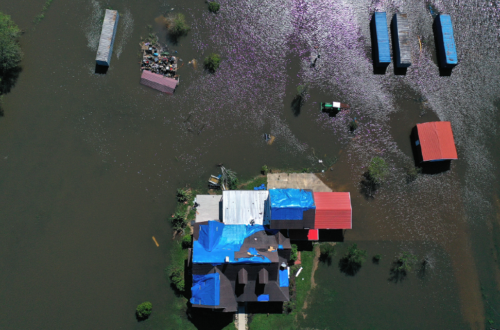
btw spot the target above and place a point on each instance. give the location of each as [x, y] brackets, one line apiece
[214, 180]
[337, 106]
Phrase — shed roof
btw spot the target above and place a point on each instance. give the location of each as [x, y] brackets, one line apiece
[158, 82]
[209, 207]
[333, 210]
[239, 207]
[436, 140]
[313, 234]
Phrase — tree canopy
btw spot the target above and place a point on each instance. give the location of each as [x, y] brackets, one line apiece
[10, 51]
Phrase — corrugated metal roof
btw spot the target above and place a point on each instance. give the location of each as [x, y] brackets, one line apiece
[313, 234]
[450, 49]
[239, 207]
[384, 52]
[402, 34]
[333, 210]
[107, 39]
[158, 82]
[436, 140]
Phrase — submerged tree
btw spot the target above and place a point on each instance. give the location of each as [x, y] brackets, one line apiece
[402, 266]
[352, 260]
[378, 170]
[10, 54]
[212, 62]
[143, 310]
[299, 99]
[176, 25]
[228, 179]
[213, 7]
[326, 252]
[412, 173]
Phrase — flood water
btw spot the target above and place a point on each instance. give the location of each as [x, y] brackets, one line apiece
[89, 163]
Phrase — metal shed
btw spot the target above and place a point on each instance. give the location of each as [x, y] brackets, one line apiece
[240, 207]
[107, 37]
[401, 35]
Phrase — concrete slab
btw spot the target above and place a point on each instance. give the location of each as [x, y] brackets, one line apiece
[296, 181]
[209, 207]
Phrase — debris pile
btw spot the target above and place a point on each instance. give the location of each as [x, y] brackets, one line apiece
[159, 61]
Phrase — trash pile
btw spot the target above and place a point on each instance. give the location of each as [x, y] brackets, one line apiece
[158, 61]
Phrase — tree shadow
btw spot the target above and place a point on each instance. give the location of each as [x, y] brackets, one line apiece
[8, 79]
[206, 318]
[325, 258]
[368, 186]
[423, 269]
[349, 268]
[397, 275]
[296, 105]
[101, 69]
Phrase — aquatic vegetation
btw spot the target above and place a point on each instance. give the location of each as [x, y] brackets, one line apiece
[176, 25]
[213, 7]
[212, 62]
[41, 16]
[143, 310]
[412, 173]
[352, 260]
[403, 264]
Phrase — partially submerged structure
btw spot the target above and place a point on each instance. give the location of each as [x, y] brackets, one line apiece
[380, 37]
[401, 37]
[435, 141]
[334, 106]
[107, 39]
[445, 41]
[158, 82]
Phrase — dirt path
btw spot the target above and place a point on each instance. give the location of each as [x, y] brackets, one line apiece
[313, 282]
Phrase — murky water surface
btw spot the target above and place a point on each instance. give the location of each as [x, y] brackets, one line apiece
[90, 163]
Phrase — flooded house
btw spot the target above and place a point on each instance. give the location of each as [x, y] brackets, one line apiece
[445, 41]
[401, 38]
[159, 82]
[107, 39]
[380, 40]
[433, 146]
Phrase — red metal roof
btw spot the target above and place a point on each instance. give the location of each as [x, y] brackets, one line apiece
[436, 139]
[313, 235]
[333, 210]
[158, 82]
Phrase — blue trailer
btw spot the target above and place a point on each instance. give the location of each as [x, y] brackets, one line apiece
[401, 40]
[445, 41]
[380, 36]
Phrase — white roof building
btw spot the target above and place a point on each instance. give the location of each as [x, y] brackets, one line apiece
[240, 207]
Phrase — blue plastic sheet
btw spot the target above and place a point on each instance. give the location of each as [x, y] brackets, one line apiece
[261, 187]
[384, 52]
[263, 297]
[230, 241]
[284, 278]
[280, 247]
[289, 204]
[206, 290]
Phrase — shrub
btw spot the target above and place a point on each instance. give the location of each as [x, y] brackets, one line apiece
[213, 7]
[182, 195]
[378, 170]
[295, 253]
[405, 262]
[144, 310]
[412, 173]
[264, 169]
[176, 276]
[212, 62]
[377, 258]
[176, 25]
[186, 241]
[233, 183]
[352, 260]
[10, 51]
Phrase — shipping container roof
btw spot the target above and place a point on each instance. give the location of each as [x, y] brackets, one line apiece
[436, 140]
[333, 210]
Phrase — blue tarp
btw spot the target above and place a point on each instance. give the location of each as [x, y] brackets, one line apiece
[263, 297]
[284, 278]
[261, 187]
[382, 34]
[213, 249]
[289, 204]
[280, 247]
[447, 47]
[206, 290]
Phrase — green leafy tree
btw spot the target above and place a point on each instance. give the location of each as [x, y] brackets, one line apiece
[143, 310]
[405, 262]
[378, 170]
[176, 276]
[10, 51]
[326, 252]
[264, 169]
[212, 62]
[213, 7]
[182, 195]
[186, 241]
[176, 25]
[352, 260]
[294, 253]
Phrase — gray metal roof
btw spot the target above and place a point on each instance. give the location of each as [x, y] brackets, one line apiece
[239, 207]
[403, 35]
[107, 37]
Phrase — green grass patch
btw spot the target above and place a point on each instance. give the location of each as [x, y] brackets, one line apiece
[255, 182]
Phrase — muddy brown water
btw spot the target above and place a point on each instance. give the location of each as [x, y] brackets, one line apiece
[89, 163]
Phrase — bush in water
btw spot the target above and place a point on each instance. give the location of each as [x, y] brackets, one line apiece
[176, 25]
[378, 170]
[213, 7]
[144, 310]
[212, 62]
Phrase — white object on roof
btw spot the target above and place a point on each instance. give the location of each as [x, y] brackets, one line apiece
[107, 37]
[336, 104]
[208, 208]
[240, 207]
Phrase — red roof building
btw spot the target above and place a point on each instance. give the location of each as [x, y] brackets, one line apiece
[313, 235]
[436, 141]
[158, 82]
[333, 210]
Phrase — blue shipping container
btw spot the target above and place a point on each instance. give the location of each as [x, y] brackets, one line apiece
[446, 42]
[382, 48]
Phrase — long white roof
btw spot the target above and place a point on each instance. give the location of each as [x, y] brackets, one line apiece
[239, 207]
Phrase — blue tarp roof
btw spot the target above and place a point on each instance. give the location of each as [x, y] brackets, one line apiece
[450, 49]
[289, 204]
[284, 278]
[263, 297]
[384, 52]
[218, 241]
[206, 290]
